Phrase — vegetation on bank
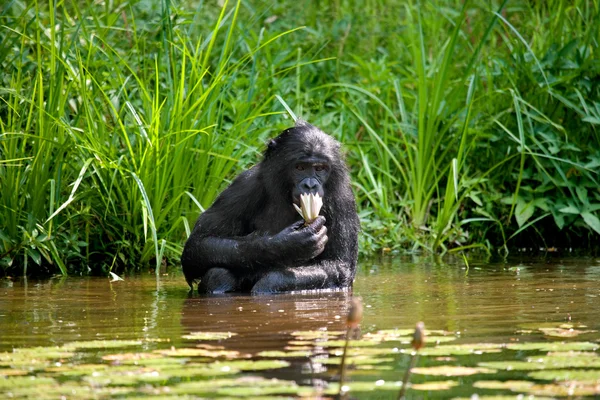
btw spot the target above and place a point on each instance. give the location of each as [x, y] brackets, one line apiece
[467, 124]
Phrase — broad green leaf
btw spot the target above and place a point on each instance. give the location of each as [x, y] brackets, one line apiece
[523, 212]
[569, 210]
[592, 221]
[582, 194]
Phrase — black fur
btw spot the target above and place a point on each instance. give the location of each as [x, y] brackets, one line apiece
[252, 238]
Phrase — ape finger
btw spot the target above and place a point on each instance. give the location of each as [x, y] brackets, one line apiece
[319, 246]
[318, 223]
[295, 226]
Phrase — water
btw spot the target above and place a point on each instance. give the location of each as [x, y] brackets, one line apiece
[491, 303]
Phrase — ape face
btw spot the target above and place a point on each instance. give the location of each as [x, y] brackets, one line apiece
[309, 176]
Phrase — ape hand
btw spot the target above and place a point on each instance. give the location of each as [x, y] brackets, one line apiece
[298, 243]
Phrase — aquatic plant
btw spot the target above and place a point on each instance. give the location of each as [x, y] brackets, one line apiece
[352, 323]
[310, 206]
[418, 341]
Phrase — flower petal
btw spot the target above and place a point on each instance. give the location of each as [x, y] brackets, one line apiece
[298, 209]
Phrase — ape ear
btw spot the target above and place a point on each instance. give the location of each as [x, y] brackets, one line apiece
[272, 144]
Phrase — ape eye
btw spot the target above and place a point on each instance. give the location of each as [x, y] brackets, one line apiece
[320, 168]
[299, 167]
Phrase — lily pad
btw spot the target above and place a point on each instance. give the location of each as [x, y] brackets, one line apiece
[76, 370]
[371, 351]
[554, 346]
[586, 376]
[243, 387]
[24, 381]
[449, 370]
[462, 349]
[33, 357]
[513, 365]
[564, 333]
[433, 386]
[69, 390]
[285, 354]
[502, 397]
[409, 332]
[145, 359]
[311, 335]
[356, 360]
[188, 352]
[208, 335]
[564, 390]
[351, 343]
[13, 372]
[101, 344]
[515, 386]
[257, 365]
[562, 360]
[354, 387]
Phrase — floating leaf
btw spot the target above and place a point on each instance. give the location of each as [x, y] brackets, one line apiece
[76, 370]
[515, 386]
[351, 343]
[568, 360]
[258, 365]
[24, 381]
[209, 335]
[554, 346]
[187, 352]
[253, 387]
[513, 365]
[462, 349]
[13, 372]
[430, 386]
[372, 351]
[564, 333]
[33, 357]
[101, 344]
[311, 335]
[285, 354]
[141, 359]
[353, 387]
[356, 360]
[502, 397]
[449, 370]
[409, 332]
[586, 376]
[564, 390]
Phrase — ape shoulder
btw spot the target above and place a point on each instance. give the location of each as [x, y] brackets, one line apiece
[232, 212]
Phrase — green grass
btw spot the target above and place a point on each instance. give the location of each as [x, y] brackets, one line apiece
[467, 124]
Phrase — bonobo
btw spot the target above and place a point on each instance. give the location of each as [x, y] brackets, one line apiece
[253, 240]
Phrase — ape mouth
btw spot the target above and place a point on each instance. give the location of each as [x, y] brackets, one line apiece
[298, 196]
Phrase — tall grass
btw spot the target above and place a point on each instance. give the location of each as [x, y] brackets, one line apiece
[467, 124]
[115, 136]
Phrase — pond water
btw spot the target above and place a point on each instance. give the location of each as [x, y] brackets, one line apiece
[505, 329]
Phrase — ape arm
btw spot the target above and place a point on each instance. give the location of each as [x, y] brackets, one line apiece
[295, 243]
[334, 268]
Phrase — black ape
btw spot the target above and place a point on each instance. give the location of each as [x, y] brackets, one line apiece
[252, 238]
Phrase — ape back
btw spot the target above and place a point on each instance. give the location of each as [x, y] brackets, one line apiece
[252, 239]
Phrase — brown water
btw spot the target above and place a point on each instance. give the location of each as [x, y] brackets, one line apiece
[485, 303]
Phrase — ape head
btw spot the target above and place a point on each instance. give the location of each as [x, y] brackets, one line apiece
[302, 159]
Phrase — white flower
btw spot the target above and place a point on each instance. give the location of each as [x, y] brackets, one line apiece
[310, 205]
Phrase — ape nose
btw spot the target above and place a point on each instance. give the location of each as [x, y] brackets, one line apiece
[309, 185]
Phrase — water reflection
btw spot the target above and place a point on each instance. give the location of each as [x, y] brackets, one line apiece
[264, 322]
